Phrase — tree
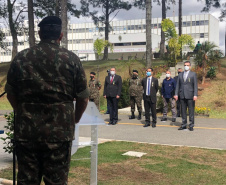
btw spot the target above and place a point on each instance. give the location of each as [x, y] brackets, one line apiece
[207, 56]
[43, 8]
[180, 17]
[107, 7]
[148, 33]
[164, 10]
[175, 42]
[64, 18]
[31, 23]
[99, 46]
[15, 18]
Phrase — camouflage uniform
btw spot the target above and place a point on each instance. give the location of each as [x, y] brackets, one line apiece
[136, 94]
[94, 86]
[45, 79]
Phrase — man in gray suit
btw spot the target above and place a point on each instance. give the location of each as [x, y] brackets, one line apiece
[187, 90]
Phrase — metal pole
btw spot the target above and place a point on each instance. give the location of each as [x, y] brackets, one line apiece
[94, 150]
[94, 154]
[14, 149]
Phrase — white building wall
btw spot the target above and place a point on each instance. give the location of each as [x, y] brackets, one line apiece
[214, 30]
[81, 36]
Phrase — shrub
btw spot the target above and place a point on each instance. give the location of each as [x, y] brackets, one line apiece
[9, 134]
[124, 100]
[211, 73]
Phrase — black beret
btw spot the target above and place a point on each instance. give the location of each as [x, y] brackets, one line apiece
[135, 71]
[108, 71]
[50, 20]
[93, 73]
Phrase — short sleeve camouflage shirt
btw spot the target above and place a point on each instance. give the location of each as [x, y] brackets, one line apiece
[45, 79]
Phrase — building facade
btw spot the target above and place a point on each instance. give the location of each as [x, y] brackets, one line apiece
[127, 36]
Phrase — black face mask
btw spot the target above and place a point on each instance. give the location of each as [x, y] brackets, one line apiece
[134, 76]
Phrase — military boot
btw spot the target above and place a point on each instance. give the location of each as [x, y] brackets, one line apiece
[132, 116]
[139, 116]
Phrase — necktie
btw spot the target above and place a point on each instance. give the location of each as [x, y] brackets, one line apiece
[112, 78]
[148, 86]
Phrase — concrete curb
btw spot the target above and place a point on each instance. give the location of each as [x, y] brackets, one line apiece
[6, 182]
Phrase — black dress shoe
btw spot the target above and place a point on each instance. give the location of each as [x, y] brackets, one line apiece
[110, 123]
[146, 125]
[132, 117]
[191, 128]
[153, 125]
[114, 122]
[164, 119]
[173, 119]
[182, 128]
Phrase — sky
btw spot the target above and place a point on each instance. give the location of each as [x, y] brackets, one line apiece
[189, 7]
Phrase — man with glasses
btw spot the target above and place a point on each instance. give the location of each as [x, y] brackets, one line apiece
[187, 90]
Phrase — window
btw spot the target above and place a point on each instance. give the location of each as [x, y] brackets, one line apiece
[176, 24]
[206, 35]
[197, 23]
[132, 27]
[128, 27]
[202, 23]
[123, 44]
[138, 43]
[136, 27]
[184, 24]
[193, 23]
[144, 26]
[201, 35]
[189, 23]
[206, 22]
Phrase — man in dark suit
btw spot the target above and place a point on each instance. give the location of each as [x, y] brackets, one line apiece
[178, 101]
[187, 90]
[150, 86]
[112, 91]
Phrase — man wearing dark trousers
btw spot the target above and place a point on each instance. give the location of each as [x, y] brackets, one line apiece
[150, 86]
[112, 91]
[178, 101]
[187, 89]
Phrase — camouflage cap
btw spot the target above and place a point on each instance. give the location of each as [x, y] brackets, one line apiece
[50, 20]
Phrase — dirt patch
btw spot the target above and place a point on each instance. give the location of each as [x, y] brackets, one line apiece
[129, 171]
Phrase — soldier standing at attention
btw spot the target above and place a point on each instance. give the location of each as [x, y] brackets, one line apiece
[41, 84]
[136, 94]
[94, 87]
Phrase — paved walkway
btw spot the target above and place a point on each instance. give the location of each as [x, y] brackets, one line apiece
[208, 133]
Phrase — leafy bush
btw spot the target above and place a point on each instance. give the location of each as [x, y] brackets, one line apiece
[9, 134]
[124, 100]
[211, 73]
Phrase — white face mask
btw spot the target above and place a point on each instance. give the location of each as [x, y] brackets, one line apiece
[112, 72]
[167, 75]
[186, 68]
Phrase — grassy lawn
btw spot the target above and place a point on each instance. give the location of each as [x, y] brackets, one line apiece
[162, 165]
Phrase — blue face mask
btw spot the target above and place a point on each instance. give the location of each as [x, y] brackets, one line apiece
[148, 73]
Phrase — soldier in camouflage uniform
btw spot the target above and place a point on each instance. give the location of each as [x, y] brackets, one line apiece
[42, 83]
[136, 94]
[94, 87]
